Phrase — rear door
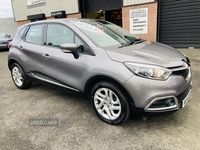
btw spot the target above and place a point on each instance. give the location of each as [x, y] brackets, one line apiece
[30, 51]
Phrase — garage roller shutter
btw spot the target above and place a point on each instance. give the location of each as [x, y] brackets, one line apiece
[179, 23]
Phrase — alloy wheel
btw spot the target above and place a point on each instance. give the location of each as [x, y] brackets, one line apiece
[17, 76]
[107, 103]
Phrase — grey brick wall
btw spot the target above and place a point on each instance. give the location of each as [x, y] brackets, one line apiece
[8, 25]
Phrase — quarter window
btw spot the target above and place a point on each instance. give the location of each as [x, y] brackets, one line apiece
[34, 34]
[21, 32]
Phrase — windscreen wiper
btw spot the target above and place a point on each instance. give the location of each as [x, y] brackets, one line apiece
[137, 41]
[125, 44]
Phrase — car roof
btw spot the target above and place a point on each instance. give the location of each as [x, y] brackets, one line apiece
[59, 21]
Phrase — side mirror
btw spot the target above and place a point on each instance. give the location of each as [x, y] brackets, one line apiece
[70, 48]
[9, 36]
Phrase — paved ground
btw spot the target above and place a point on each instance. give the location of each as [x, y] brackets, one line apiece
[78, 126]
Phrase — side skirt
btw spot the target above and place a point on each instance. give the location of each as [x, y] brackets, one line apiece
[53, 83]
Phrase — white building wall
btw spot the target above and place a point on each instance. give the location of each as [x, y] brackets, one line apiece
[21, 11]
[8, 25]
[135, 2]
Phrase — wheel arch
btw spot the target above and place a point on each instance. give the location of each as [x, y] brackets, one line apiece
[92, 81]
[11, 62]
[19, 76]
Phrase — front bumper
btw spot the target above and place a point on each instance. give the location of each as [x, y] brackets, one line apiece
[169, 103]
[3, 46]
[153, 97]
[179, 102]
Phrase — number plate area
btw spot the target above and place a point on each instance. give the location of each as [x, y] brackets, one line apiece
[2, 44]
[184, 102]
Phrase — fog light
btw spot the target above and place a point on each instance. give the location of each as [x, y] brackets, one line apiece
[170, 103]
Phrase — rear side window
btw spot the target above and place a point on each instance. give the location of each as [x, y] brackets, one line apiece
[21, 32]
[34, 34]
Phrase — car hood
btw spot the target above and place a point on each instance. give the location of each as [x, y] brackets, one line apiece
[4, 39]
[149, 53]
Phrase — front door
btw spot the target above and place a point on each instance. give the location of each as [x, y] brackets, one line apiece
[61, 68]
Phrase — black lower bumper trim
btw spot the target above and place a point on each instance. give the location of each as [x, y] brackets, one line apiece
[140, 112]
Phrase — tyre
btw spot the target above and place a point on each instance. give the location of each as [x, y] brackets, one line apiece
[109, 103]
[18, 77]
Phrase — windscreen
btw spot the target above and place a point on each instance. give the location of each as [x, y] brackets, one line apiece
[105, 34]
[3, 34]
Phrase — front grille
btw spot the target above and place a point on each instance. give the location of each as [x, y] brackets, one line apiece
[184, 73]
[183, 95]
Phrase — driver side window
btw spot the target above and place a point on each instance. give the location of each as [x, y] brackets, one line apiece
[59, 34]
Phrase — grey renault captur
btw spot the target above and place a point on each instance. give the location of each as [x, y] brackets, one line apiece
[119, 73]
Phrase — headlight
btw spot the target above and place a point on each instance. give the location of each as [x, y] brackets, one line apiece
[149, 71]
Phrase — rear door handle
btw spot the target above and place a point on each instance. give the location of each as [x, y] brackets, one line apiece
[20, 47]
[46, 56]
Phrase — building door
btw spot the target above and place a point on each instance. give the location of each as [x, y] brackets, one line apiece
[109, 10]
[179, 23]
[96, 5]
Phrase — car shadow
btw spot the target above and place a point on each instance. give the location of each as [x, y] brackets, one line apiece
[4, 50]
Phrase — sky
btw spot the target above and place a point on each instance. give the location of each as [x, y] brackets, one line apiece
[6, 9]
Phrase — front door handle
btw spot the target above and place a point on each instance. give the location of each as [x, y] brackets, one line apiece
[46, 56]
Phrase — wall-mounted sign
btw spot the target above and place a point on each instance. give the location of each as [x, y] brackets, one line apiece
[35, 3]
[139, 21]
[58, 14]
[36, 17]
